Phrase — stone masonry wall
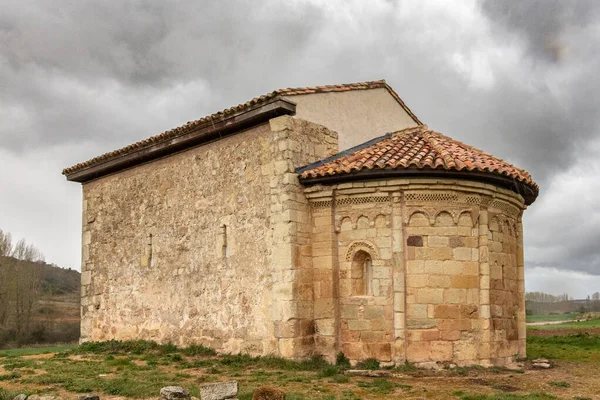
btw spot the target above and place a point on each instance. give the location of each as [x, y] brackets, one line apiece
[433, 297]
[201, 246]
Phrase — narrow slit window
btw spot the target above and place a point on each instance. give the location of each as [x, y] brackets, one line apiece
[225, 245]
[362, 274]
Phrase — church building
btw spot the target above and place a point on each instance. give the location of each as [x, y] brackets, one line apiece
[308, 221]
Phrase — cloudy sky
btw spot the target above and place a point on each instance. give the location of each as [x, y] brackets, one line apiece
[517, 79]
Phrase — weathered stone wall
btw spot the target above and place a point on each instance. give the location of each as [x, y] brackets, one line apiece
[505, 297]
[428, 298]
[201, 246]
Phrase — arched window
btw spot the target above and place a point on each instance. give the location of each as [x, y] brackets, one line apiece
[362, 274]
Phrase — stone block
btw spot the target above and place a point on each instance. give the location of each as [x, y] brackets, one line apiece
[349, 311]
[438, 241]
[441, 350]
[371, 336]
[425, 323]
[434, 253]
[324, 308]
[456, 241]
[450, 335]
[462, 253]
[464, 282]
[452, 267]
[372, 312]
[359, 325]
[414, 241]
[416, 311]
[325, 326]
[353, 350]
[415, 267]
[470, 268]
[418, 351]
[350, 336]
[381, 351]
[454, 325]
[430, 296]
[219, 391]
[429, 335]
[455, 296]
[447, 311]
[175, 393]
[465, 350]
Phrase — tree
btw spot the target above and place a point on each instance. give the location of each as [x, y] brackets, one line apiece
[5, 243]
[26, 252]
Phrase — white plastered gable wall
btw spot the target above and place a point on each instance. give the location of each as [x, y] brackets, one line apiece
[356, 115]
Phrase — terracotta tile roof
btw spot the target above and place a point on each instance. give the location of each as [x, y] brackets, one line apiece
[190, 126]
[415, 148]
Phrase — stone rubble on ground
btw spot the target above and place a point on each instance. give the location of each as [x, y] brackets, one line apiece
[174, 393]
[268, 393]
[43, 397]
[89, 397]
[541, 363]
[219, 391]
[368, 372]
[20, 397]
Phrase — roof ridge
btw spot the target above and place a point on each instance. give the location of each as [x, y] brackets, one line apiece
[192, 125]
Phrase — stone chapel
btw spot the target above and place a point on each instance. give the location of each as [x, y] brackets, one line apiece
[308, 221]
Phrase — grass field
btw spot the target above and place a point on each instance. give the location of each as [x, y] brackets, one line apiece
[140, 369]
[549, 318]
[584, 325]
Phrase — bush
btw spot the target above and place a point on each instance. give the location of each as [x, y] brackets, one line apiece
[342, 361]
[369, 363]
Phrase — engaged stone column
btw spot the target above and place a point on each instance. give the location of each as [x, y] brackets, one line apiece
[521, 288]
[484, 289]
[398, 270]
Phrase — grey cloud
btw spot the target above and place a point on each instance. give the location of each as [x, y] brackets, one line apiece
[543, 23]
[99, 75]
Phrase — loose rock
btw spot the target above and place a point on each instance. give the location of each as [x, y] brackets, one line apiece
[89, 397]
[268, 393]
[219, 391]
[20, 397]
[174, 393]
[541, 363]
[43, 397]
[368, 372]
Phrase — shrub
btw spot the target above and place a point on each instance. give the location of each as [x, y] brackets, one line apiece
[369, 363]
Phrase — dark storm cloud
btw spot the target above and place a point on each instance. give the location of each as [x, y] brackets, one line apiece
[57, 58]
[543, 23]
[517, 79]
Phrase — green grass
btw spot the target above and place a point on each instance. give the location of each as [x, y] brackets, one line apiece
[548, 318]
[592, 323]
[581, 347]
[30, 351]
[560, 384]
[382, 385]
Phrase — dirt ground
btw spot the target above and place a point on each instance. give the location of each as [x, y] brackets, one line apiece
[420, 384]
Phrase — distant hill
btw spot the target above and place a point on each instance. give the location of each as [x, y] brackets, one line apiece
[39, 303]
[57, 280]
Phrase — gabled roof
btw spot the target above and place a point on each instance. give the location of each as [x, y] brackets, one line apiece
[207, 123]
[419, 150]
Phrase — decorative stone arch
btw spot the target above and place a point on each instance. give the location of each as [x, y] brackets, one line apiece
[361, 255]
[468, 212]
[451, 213]
[417, 212]
[363, 245]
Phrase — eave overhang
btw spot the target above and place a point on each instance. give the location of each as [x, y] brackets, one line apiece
[207, 132]
[528, 193]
